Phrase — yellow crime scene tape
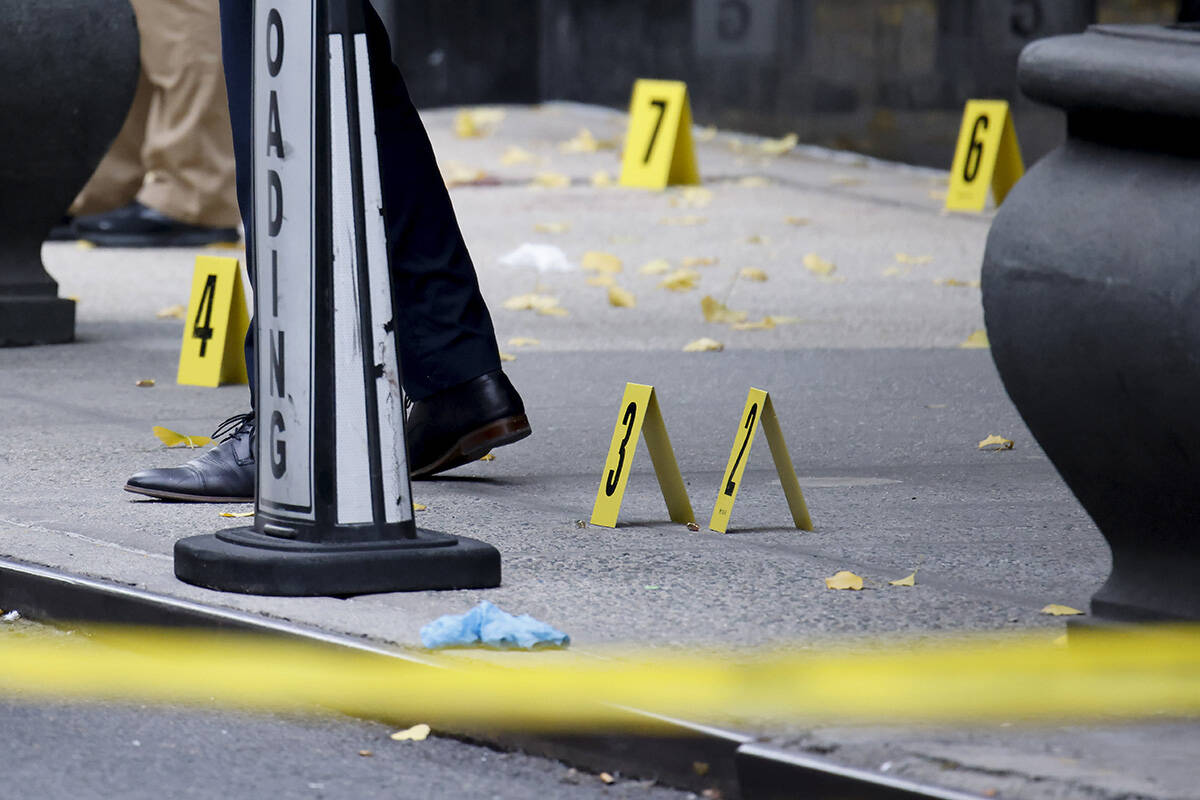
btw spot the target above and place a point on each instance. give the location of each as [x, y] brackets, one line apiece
[1141, 673]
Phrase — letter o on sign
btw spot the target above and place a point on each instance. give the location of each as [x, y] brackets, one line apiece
[274, 42]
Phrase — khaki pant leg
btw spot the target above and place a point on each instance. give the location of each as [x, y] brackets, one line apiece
[118, 177]
[188, 147]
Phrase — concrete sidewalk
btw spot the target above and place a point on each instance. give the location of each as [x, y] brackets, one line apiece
[881, 407]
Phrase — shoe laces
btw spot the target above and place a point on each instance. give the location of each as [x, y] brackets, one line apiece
[236, 426]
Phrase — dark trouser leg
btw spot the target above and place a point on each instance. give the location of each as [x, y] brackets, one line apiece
[446, 334]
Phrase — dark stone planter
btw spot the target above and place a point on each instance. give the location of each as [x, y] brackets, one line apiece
[68, 70]
[1091, 290]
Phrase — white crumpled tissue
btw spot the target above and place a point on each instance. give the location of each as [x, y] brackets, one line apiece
[542, 257]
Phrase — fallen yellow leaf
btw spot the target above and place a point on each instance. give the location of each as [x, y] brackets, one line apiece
[659, 266]
[764, 324]
[819, 266]
[777, 147]
[602, 179]
[1056, 610]
[585, 142]
[911, 580]
[523, 341]
[530, 302]
[171, 312]
[172, 439]
[977, 340]
[706, 134]
[681, 280]
[905, 258]
[145, 383]
[417, 733]
[955, 282]
[507, 356]
[602, 281]
[995, 442]
[457, 174]
[683, 222]
[845, 580]
[797, 221]
[237, 514]
[606, 778]
[892, 272]
[621, 298]
[703, 345]
[550, 180]
[598, 261]
[84, 244]
[698, 261]
[754, 182]
[692, 197]
[516, 155]
[473, 123]
[420, 507]
[552, 227]
[716, 311]
[488, 457]
[752, 274]
[554, 311]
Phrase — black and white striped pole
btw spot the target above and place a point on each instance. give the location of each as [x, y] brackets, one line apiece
[334, 513]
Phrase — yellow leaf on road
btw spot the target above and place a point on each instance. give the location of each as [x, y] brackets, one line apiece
[530, 302]
[473, 123]
[145, 383]
[457, 174]
[681, 280]
[692, 197]
[777, 147]
[911, 580]
[659, 266]
[417, 733]
[516, 155]
[844, 580]
[599, 261]
[698, 261]
[905, 258]
[799, 222]
[237, 514]
[621, 298]
[602, 179]
[976, 341]
[488, 457]
[172, 439]
[171, 312]
[955, 282]
[716, 311]
[819, 266]
[764, 324]
[585, 142]
[550, 180]
[1055, 610]
[892, 272]
[420, 507]
[552, 227]
[752, 274]
[507, 356]
[995, 442]
[523, 341]
[703, 345]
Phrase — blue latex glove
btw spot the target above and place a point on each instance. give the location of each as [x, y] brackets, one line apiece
[489, 626]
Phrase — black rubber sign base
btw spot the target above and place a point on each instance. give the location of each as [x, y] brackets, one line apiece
[246, 561]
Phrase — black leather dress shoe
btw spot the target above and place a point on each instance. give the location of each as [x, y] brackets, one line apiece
[136, 225]
[464, 423]
[225, 474]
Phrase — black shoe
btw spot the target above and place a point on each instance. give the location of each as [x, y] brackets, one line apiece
[225, 474]
[463, 423]
[64, 231]
[137, 225]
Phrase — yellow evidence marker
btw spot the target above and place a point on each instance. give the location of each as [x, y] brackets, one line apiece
[987, 157]
[640, 414]
[214, 330]
[759, 409]
[658, 146]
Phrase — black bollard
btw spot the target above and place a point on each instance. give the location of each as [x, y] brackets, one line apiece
[68, 71]
[334, 512]
[1091, 290]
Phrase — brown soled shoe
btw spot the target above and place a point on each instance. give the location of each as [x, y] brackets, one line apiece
[464, 423]
[225, 474]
